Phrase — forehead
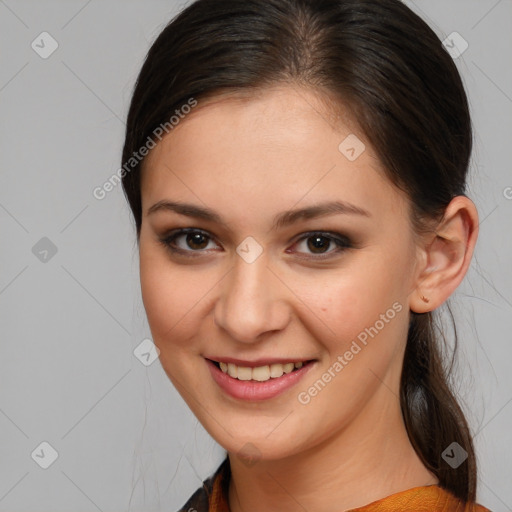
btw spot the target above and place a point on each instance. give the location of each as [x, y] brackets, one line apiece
[282, 115]
[265, 149]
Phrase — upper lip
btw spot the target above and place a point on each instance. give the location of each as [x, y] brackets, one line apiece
[258, 362]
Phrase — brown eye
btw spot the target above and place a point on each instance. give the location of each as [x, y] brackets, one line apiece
[192, 242]
[187, 241]
[196, 240]
[319, 243]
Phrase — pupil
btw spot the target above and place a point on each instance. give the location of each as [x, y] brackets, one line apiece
[317, 244]
[195, 239]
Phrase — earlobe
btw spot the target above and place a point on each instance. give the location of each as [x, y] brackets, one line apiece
[446, 256]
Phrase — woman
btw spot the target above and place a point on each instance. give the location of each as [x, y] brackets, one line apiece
[296, 171]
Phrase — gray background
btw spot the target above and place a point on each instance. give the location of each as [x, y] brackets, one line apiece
[70, 321]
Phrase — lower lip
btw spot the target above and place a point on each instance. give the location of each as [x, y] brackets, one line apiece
[251, 390]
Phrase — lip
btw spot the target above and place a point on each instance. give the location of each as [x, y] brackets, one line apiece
[254, 391]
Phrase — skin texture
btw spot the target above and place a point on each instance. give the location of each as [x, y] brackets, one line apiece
[249, 159]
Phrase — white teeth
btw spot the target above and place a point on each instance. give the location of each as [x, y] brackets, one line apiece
[259, 373]
[244, 373]
[276, 370]
[288, 367]
[232, 370]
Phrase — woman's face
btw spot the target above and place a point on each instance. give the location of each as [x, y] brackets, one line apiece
[250, 285]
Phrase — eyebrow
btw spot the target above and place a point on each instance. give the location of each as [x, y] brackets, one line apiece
[285, 218]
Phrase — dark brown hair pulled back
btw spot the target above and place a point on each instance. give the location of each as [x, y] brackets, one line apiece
[390, 68]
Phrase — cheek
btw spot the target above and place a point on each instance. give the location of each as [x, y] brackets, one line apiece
[341, 305]
[171, 297]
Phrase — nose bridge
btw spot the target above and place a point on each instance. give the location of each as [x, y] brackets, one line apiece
[251, 302]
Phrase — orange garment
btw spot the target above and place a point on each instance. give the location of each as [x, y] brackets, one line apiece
[213, 497]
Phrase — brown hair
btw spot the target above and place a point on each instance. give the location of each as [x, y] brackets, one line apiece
[389, 67]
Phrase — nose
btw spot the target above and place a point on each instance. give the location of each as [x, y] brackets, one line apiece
[252, 301]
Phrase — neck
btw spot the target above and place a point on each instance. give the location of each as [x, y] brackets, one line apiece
[353, 467]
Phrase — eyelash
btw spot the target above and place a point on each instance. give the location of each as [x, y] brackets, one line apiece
[342, 243]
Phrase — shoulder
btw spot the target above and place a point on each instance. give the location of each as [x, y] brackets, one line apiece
[200, 500]
[432, 498]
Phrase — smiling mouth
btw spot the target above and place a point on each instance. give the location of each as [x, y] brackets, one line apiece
[259, 373]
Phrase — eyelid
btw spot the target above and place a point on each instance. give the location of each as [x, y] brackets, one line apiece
[172, 235]
[342, 242]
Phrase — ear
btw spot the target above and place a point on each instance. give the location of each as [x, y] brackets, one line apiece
[445, 257]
